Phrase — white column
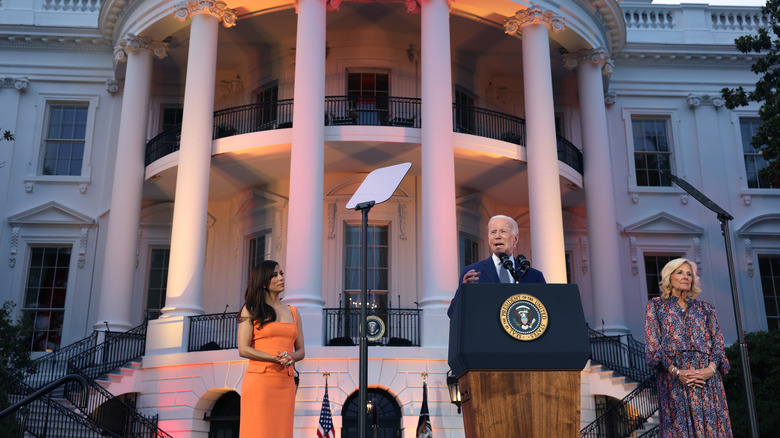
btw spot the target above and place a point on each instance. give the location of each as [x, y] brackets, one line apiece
[188, 238]
[604, 249]
[439, 229]
[117, 284]
[303, 268]
[544, 192]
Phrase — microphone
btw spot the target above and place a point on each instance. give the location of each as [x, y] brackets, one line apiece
[506, 262]
[524, 263]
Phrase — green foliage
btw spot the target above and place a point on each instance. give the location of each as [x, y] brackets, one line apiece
[14, 359]
[7, 136]
[767, 90]
[764, 357]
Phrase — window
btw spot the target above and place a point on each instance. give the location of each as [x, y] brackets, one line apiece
[769, 267]
[158, 282]
[754, 161]
[468, 250]
[652, 151]
[64, 139]
[258, 251]
[653, 266]
[377, 266]
[44, 300]
[368, 93]
[267, 109]
[464, 112]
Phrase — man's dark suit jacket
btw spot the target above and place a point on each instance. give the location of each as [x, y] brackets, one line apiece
[487, 274]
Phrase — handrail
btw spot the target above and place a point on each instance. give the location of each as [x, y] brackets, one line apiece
[361, 110]
[59, 420]
[49, 387]
[620, 353]
[115, 351]
[642, 401]
[53, 365]
[401, 327]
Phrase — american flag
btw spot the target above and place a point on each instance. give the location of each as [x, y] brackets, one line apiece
[424, 429]
[325, 427]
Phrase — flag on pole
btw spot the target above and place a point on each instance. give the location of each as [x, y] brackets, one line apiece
[325, 426]
[424, 429]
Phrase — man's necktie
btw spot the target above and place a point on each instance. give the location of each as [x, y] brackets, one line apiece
[504, 276]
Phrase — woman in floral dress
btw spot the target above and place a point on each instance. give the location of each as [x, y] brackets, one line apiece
[685, 349]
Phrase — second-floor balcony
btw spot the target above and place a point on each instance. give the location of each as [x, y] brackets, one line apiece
[388, 111]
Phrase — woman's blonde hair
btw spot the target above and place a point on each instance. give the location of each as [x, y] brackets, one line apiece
[666, 278]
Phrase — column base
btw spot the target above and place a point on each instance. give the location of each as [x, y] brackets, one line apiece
[167, 335]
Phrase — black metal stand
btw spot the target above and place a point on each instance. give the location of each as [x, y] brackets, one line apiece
[724, 217]
[364, 207]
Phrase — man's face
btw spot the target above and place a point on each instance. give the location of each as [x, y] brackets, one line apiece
[500, 236]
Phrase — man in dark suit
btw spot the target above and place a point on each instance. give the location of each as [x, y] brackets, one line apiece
[502, 237]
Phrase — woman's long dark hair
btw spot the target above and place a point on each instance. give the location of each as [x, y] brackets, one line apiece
[256, 291]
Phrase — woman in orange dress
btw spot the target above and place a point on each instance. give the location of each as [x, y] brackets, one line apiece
[270, 336]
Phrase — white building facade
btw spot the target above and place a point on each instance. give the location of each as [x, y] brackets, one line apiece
[164, 147]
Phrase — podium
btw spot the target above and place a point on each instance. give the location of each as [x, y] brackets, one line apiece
[518, 350]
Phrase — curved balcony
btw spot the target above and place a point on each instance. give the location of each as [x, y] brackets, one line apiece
[362, 111]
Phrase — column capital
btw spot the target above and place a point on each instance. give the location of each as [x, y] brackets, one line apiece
[598, 56]
[696, 100]
[219, 9]
[135, 43]
[533, 15]
[18, 83]
[330, 5]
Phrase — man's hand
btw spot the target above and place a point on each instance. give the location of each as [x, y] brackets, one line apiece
[471, 277]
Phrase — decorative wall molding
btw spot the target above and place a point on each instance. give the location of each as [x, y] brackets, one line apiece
[697, 254]
[584, 253]
[112, 86]
[402, 212]
[18, 83]
[747, 200]
[219, 9]
[331, 220]
[15, 231]
[533, 15]
[749, 256]
[610, 97]
[83, 246]
[633, 252]
[29, 186]
[135, 43]
[684, 199]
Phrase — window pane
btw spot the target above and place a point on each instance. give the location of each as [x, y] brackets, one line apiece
[652, 152]
[45, 295]
[769, 268]
[754, 160]
[377, 258]
[653, 266]
[64, 141]
[158, 281]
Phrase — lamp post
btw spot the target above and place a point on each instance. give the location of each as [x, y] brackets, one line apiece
[452, 385]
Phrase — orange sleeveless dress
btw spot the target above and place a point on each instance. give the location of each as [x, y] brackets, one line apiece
[268, 389]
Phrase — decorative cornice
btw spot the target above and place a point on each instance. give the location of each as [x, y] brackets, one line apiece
[749, 256]
[533, 15]
[112, 86]
[610, 97]
[52, 39]
[19, 83]
[135, 43]
[83, 246]
[15, 231]
[677, 56]
[696, 100]
[219, 9]
[598, 56]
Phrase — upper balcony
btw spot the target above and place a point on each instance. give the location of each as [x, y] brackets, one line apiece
[362, 110]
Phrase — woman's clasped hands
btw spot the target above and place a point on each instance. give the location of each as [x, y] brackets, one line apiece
[284, 359]
[695, 378]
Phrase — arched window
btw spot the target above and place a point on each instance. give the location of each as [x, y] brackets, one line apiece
[384, 419]
[224, 416]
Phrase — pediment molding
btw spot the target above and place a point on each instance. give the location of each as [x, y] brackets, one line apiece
[663, 223]
[51, 212]
[764, 225]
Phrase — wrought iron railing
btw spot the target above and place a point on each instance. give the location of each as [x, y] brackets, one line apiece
[52, 366]
[621, 353]
[41, 416]
[216, 331]
[655, 432]
[111, 413]
[623, 418]
[116, 350]
[401, 327]
[363, 111]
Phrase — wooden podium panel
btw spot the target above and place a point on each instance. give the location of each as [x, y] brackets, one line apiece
[521, 403]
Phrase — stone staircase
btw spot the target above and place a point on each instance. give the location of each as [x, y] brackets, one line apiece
[123, 379]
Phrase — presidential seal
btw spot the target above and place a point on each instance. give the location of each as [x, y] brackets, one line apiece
[375, 328]
[524, 317]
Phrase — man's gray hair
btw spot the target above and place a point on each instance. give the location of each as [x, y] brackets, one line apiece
[515, 230]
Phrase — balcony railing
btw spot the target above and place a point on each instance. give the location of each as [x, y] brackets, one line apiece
[622, 354]
[401, 327]
[215, 331]
[362, 111]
